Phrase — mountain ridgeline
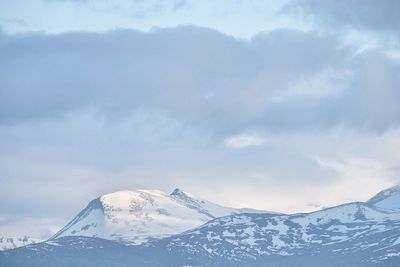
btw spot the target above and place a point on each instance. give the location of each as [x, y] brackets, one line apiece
[135, 217]
[152, 228]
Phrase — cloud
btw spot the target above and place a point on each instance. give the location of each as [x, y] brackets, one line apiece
[244, 140]
[136, 8]
[122, 70]
[85, 155]
[49, 76]
[279, 81]
[324, 168]
[40, 228]
[351, 14]
[14, 21]
[71, 1]
[366, 103]
[88, 113]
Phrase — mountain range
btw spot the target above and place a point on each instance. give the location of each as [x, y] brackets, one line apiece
[152, 228]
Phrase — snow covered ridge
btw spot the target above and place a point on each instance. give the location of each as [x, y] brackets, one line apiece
[363, 234]
[14, 242]
[387, 199]
[353, 227]
[137, 216]
[349, 235]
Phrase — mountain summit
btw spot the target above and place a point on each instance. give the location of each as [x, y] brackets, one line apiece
[137, 216]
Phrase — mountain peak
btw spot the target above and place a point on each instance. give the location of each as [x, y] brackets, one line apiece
[180, 193]
[135, 216]
[177, 192]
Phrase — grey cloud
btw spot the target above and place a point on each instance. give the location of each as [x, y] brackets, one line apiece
[196, 74]
[179, 4]
[84, 156]
[72, 1]
[137, 9]
[361, 14]
[14, 21]
[370, 101]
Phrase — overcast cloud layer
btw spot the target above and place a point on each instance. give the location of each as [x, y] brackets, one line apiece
[368, 15]
[290, 119]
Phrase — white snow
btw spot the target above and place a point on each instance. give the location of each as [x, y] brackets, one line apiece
[135, 216]
[391, 203]
[325, 227]
[387, 199]
[208, 207]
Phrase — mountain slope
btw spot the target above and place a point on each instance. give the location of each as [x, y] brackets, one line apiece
[206, 207]
[354, 228]
[387, 199]
[138, 216]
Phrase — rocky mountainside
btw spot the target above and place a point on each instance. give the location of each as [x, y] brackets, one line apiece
[352, 228]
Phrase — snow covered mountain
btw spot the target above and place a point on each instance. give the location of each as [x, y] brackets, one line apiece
[387, 199]
[350, 235]
[360, 234]
[14, 242]
[354, 227]
[137, 216]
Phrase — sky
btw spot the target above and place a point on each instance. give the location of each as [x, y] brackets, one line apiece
[289, 105]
